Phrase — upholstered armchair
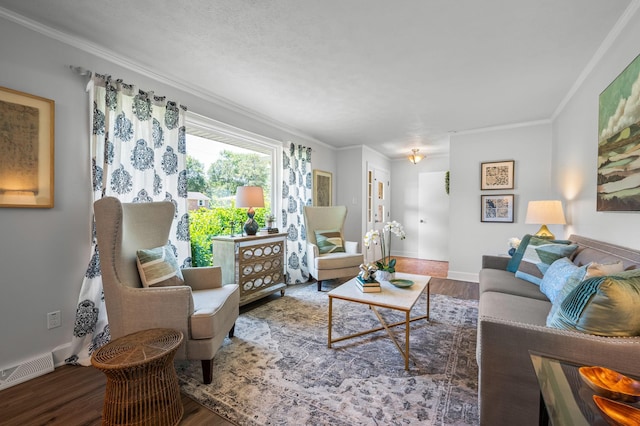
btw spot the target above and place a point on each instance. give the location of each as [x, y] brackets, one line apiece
[328, 255]
[200, 307]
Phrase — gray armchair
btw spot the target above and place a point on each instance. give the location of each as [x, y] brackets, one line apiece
[326, 266]
[203, 309]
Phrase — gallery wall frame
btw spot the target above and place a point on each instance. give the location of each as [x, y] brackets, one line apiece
[497, 208]
[619, 142]
[27, 130]
[497, 175]
[322, 188]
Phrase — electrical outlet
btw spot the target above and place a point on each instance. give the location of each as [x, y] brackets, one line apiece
[53, 319]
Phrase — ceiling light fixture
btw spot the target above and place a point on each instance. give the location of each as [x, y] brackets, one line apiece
[415, 158]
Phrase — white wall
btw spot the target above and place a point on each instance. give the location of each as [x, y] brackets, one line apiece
[348, 184]
[45, 252]
[530, 148]
[575, 135]
[404, 198]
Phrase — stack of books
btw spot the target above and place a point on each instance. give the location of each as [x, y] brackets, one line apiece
[368, 286]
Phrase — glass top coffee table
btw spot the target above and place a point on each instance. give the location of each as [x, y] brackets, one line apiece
[391, 297]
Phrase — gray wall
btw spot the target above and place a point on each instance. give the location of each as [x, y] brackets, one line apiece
[44, 252]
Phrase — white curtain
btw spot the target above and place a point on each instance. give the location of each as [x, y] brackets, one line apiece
[296, 193]
[138, 156]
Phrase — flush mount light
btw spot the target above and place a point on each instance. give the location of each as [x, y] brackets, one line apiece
[415, 158]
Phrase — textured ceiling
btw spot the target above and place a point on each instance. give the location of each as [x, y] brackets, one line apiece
[392, 75]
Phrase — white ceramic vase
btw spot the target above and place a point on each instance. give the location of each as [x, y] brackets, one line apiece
[385, 276]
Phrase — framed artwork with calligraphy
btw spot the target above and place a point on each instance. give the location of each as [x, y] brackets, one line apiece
[496, 175]
[26, 150]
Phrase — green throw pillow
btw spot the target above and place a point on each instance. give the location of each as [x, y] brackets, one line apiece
[535, 255]
[604, 306]
[158, 267]
[329, 241]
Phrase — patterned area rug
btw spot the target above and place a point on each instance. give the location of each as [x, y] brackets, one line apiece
[278, 369]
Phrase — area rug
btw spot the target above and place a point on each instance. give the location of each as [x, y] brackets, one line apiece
[278, 370]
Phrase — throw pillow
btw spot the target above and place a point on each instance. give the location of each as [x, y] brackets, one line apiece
[538, 255]
[582, 273]
[556, 278]
[158, 267]
[604, 306]
[329, 241]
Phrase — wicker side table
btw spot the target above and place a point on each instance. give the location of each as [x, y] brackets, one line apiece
[142, 385]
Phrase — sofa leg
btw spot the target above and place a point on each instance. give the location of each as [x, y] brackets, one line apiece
[233, 329]
[319, 285]
[207, 371]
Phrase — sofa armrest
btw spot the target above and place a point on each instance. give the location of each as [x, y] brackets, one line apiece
[506, 369]
[203, 278]
[495, 262]
[351, 247]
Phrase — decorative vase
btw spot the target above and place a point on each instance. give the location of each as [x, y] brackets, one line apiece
[384, 275]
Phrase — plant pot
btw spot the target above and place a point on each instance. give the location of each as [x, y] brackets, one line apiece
[385, 276]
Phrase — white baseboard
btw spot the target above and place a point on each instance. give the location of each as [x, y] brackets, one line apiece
[463, 276]
[61, 353]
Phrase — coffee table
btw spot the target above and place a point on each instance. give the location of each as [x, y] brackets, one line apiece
[391, 297]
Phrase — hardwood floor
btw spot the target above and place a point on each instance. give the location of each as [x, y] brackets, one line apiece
[74, 395]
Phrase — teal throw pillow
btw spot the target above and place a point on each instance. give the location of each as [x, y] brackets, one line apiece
[556, 278]
[158, 267]
[604, 306]
[329, 241]
[538, 255]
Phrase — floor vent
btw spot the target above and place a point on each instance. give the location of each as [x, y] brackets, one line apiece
[26, 371]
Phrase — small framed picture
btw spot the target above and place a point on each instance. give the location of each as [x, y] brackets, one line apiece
[497, 175]
[322, 188]
[497, 208]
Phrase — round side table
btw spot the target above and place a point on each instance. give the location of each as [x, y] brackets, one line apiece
[142, 385]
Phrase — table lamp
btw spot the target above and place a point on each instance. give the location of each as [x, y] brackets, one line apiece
[545, 212]
[250, 196]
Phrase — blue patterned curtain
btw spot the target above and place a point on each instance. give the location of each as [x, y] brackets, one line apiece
[138, 156]
[296, 193]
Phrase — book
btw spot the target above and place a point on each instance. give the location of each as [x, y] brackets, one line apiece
[369, 289]
[367, 283]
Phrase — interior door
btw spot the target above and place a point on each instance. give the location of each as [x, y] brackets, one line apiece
[378, 202]
[433, 202]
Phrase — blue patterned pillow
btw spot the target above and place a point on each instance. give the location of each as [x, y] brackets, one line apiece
[556, 278]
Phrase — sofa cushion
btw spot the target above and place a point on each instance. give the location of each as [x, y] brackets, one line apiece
[556, 278]
[605, 306]
[158, 267]
[329, 241]
[338, 261]
[501, 281]
[510, 307]
[535, 255]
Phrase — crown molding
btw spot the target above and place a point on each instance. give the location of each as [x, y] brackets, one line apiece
[620, 25]
[501, 127]
[110, 56]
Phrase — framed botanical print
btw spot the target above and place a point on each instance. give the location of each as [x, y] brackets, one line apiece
[497, 175]
[26, 150]
[322, 188]
[497, 208]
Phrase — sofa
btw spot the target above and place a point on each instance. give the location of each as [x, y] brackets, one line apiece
[512, 321]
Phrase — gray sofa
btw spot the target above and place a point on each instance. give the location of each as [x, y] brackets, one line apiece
[512, 321]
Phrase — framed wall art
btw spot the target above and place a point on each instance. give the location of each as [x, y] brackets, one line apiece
[618, 187]
[497, 208]
[497, 175]
[322, 188]
[26, 150]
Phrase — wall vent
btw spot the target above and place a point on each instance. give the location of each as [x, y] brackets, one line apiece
[26, 371]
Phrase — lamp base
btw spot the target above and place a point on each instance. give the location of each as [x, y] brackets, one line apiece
[251, 227]
[544, 233]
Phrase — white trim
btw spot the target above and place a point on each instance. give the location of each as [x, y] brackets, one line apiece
[622, 22]
[463, 276]
[501, 127]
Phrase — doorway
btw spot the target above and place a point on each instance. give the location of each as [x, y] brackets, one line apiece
[433, 204]
[378, 203]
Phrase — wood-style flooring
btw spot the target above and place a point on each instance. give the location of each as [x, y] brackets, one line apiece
[74, 395]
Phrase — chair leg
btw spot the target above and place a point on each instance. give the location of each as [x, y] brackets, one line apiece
[233, 329]
[207, 371]
[319, 285]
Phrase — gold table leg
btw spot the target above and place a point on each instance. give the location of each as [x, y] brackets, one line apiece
[330, 320]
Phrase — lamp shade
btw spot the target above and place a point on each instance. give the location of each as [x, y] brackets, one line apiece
[545, 212]
[249, 196]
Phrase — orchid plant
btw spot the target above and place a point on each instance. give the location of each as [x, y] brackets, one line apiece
[375, 237]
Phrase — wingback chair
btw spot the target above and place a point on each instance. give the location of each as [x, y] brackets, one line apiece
[332, 264]
[203, 309]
